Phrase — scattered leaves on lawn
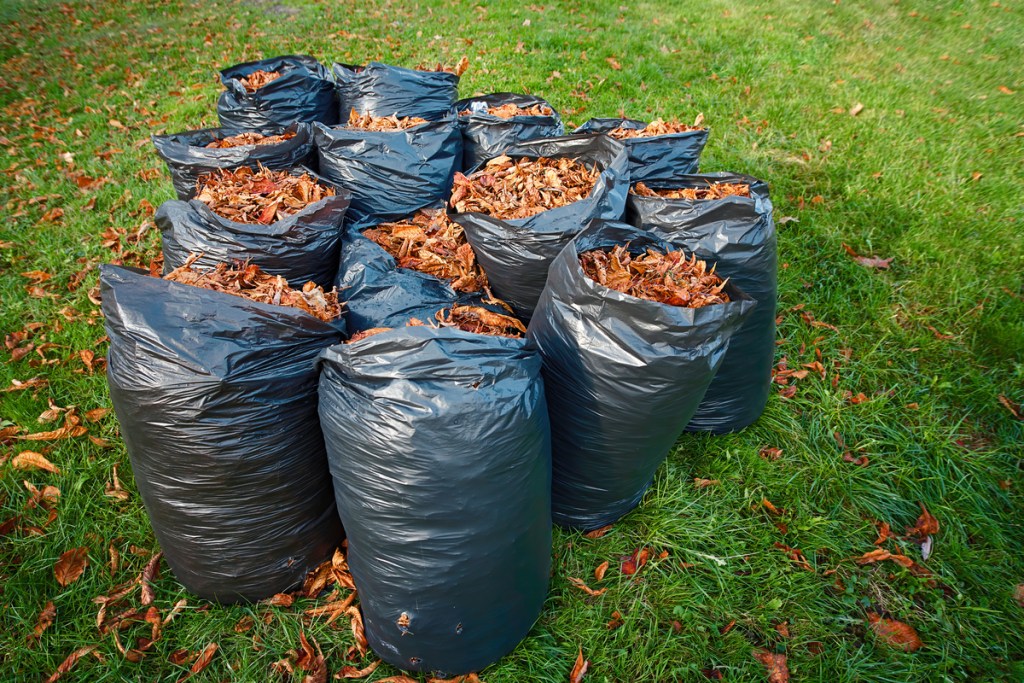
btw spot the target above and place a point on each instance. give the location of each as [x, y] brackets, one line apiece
[258, 197]
[249, 138]
[509, 188]
[30, 460]
[459, 68]
[381, 124]
[69, 663]
[70, 566]
[668, 278]
[250, 282]
[712, 191]
[72, 428]
[257, 79]
[868, 261]
[894, 633]
[775, 664]
[579, 669]
[579, 583]
[429, 242]
[657, 127]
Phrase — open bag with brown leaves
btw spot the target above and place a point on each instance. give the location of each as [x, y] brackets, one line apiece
[268, 94]
[216, 397]
[492, 123]
[520, 210]
[438, 441]
[382, 89]
[631, 334]
[658, 150]
[726, 219]
[288, 223]
[390, 172]
[194, 153]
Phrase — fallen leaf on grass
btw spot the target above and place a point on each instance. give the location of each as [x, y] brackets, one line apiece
[770, 453]
[614, 63]
[1014, 408]
[1018, 594]
[70, 429]
[884, 533]
[705, 483]
[33, 383]
[30, 460]
[856, 109]
[925, 526]
[358, 632]
[796, 555]
[778, 669]
[150, 574]
[616, 621]
[894, 633]
[279, 600]
[579, 583]
[69, 663]
[868, 261]
[598, 533]
[205, 657]
[113, 488]
[397, 679]
[631, 564]
[353, 672]
[311, 661]
[71, 565]
[600, 570]
[46, 618]
[579, 669]
[1006, 91]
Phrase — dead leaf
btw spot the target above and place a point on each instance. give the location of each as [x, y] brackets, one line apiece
[631, 564]
[279, 600]
[353, 672]
[150, 574]
[113, 488]
[705, 483]
[600, 571]
[205, 657]
[1018, 594]
[70, 429]
[868, 261]
[30, 460]
[775, 663]
[69, 663]
[884, 533]
[71, 565]
[579, 669]
[856, 109]
[45, 619]
[598, 533]
[925, 526]
[357, 629]
[579, 583]
[1006, 91]
[770, 453]
[894, 633]
[614, 63]
[96, 414]
[1014, 408]
[397, 679]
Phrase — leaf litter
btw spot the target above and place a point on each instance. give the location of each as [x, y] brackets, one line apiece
[657, 127]
[509, 188]
[510, 110]
[258, 79]
[668, 278]
[475, 319]
[260, 196]
[249, 138]
[458, 69]
[711, 192]
[380, 124]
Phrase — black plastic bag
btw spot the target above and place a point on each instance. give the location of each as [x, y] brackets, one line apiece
[187, 156]
[737, 234]
[662, 157]
[439, 445]
[303, 93]
[391, 173]
[383, 90]
[623, 376]
[216, 396]
[302, 247]
[485, 136]
[516, 254]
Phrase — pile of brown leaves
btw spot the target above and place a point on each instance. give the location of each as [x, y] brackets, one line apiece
[458, 69]
[713, 191]
[668, 278]
[517, 188]
[474, 319]
[507, 111]
[382, 123]
[657, 127]
[248, 281]
[431, 243]
[249, 139]
[258, 79]
[264, 196]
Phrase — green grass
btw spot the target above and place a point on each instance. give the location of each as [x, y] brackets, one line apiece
[776, 82]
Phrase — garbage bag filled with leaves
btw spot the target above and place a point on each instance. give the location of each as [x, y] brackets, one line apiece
[493, 123]
[658, 150]
[384, 90]
[439, 446]
[288, 223]
[216, 396]
[391, 167]
[521, 209]
[194, 153]
[626, 362]
[726, 219]
[271, 93]
[409, 268]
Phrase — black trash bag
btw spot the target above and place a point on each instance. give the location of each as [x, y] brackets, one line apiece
[439, 445]
[623, 377]
[377, 292]
[301, 247]
[485, 136]
[391, 173]
[187, 156]
[516, 253]
[303, 93]
[216, 397]
[659, 158]
[382, 90]
[738, 235]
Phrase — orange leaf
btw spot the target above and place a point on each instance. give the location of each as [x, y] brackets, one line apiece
[925, 526]
[584, 587]
[1018, 594]
[1006, 91]
[894, 633]
[46, 618]
[704, 483]
[1014, 408]
[631, 564]
[601, 569]
[205, 657]
[579, 669]
[96, 414]
[398, 679]
[614, 63]
[279, 600]
[598, 533]
[71, 565]
[70, 662]
[30, 460]
[352, 672]
[357, 628]
[778, 669]
[149, 575]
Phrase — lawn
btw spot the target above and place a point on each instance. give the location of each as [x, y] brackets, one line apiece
[893, 128]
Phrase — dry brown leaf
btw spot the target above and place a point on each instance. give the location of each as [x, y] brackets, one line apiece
[30, 460]
[480, 320]
[45, 619]
[796, 555]
[72, 428]
[382, 124]
[262, 196]
[598, 533]
[579, 669]
[397, 679]
[669, 278]
[1014, 408]
[775, 664]
[655, 128]
[353, 672]
[579, 583]
[1018, 594]
[614, 63]
[249, 138]
[70, 566]
[894, 633]
[600, 570]
[711, 191]
[705, 483]
[856, 109]
[357, 629]
[150, 574]
[770, 453]
[69, 663]
[868, 261]
[113, 488]
[884, 533]
[279, 600]
[510, 110]
[96, 414]
[257, 79]
[631, 564]
[925, 526]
